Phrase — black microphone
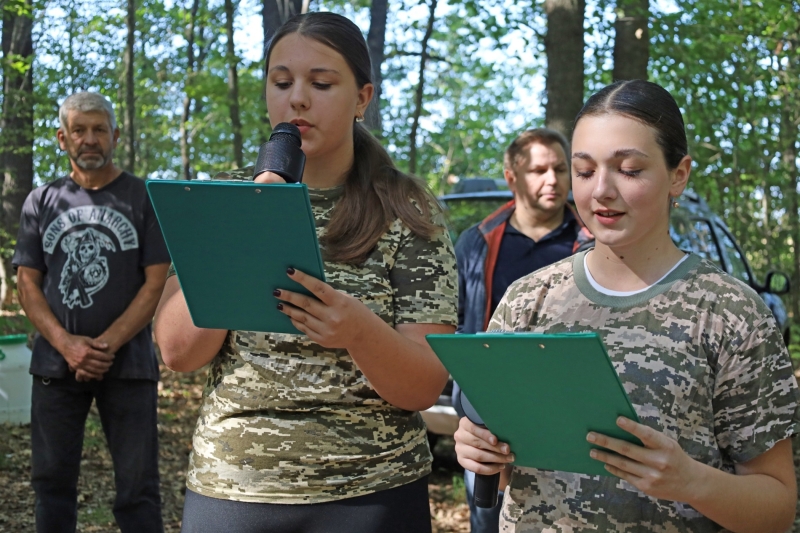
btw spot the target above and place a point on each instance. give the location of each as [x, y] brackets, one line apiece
[484, 493]
[281, 154]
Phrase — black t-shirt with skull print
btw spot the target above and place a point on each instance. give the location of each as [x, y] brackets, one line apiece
[92, 247]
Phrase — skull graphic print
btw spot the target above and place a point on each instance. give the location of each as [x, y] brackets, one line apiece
[86, 270]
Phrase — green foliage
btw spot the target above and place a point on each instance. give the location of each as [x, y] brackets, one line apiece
[477, 69]
[794, 346]
[459, 494]
[12, 322]
[732, 66]
[461, 214]
[726, 64]
[81, 48]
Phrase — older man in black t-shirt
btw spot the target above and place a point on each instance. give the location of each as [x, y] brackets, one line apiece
[91, 264]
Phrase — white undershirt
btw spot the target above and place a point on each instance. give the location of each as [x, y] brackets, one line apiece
[599, 288]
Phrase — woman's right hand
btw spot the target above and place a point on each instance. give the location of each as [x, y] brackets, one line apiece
[479, 451]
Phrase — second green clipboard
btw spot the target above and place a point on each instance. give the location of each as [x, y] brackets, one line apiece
[540, 393]
[231, 242]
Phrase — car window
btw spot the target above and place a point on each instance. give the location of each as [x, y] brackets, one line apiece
[695, 235]
[734, 256]
[461, 214]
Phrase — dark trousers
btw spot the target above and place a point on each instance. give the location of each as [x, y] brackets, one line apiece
[59, 408]
[402, 509]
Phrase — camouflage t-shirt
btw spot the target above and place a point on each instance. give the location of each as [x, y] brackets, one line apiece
[287, 421]
[700, 357]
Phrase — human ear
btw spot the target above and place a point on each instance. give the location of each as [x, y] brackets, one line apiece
[508, 174]
[364, 97]
[116, 137]
[60, 135]
[679, 176]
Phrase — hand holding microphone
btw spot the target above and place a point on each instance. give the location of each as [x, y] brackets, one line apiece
[486, 486]
[281, 156]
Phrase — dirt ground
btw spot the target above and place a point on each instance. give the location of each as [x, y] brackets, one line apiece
[179, 400]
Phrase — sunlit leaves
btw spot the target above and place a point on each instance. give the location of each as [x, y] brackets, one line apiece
[725, 62]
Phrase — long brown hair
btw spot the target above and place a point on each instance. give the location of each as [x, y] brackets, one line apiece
[375, 192]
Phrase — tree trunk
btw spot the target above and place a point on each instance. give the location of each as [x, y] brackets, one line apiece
[16, 130]
[423, 60]
[186, 160]
[564, 46]
[789, 159]
[631, 40]
[72, 65]
[276, 12]
[233, 85]
[376, 39]
[130, 103]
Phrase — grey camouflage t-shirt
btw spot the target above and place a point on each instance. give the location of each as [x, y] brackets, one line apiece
[702, 361]
[287, 421]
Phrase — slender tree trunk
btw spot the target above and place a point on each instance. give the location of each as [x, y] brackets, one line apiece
[276, 12]
[72, 65]
[790, 137]
[233, 85]
[448, 159]
[789, 158]
[16, 129]
[423, 60]
[376, 39]
[186, 162]
[130, 102]
[564, 47]
[631, 40]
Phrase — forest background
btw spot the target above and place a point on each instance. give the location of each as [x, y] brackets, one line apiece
[457, 80]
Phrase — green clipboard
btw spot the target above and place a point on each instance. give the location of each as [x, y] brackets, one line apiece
[540, 393]
[231, 243]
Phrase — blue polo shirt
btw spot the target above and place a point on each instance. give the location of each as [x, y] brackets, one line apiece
[519, 255]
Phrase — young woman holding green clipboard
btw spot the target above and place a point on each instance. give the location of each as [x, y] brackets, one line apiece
[319, 432]
[698, 351]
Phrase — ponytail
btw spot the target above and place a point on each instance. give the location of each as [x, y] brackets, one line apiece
[375, 194]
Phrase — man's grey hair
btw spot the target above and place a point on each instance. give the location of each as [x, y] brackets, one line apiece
[86, 102]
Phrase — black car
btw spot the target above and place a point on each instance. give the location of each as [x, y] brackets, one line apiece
[693, 227]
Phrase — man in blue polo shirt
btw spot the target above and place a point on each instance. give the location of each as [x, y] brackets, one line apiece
[531, 231]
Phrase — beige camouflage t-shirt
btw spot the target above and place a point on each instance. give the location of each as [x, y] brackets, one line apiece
[700, 357]
[287, 421]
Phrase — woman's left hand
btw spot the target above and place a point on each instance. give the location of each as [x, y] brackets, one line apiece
[333, 319]
[660, 469]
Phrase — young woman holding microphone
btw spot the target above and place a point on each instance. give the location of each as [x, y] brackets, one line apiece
[319, 432]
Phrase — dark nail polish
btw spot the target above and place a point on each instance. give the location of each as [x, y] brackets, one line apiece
[290, 271]
[276, 293]
[280, 307]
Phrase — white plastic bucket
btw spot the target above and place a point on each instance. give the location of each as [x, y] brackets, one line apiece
[15, 380]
